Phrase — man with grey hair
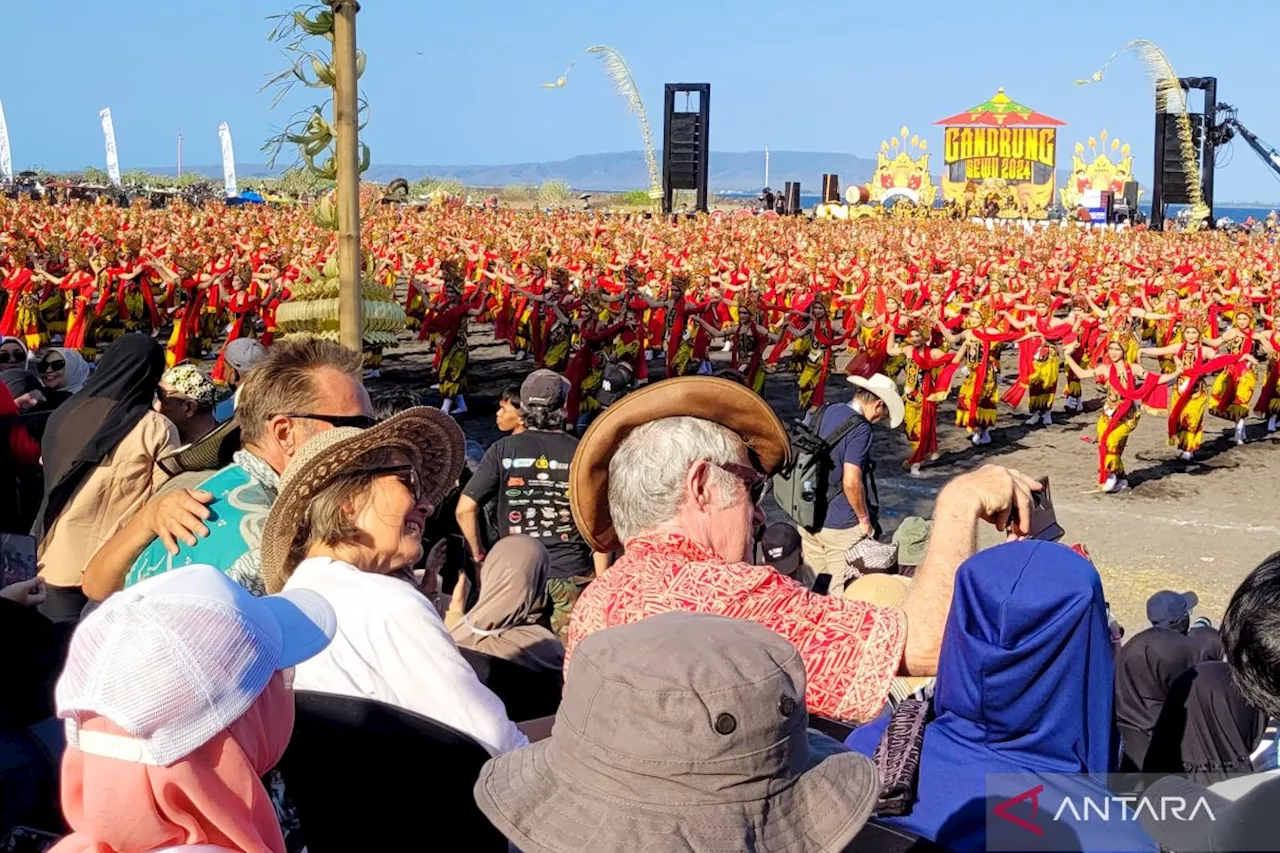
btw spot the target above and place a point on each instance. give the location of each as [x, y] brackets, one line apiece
[673, 475]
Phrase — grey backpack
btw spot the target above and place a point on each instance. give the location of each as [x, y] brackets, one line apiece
[803, 489]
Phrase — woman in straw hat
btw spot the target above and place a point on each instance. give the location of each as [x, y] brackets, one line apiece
[347, 523]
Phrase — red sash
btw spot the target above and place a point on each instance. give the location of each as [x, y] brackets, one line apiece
[980, 373]
[1129, 394]
[1194, 374]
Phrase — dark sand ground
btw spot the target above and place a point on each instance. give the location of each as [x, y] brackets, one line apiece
[1200, 526]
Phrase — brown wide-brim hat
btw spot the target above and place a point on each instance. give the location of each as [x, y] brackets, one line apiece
[718, 400]
[429, 438]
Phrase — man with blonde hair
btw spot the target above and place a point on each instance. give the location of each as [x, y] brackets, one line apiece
[298, 390]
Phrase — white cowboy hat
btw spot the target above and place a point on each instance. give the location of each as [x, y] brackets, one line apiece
[884, 388]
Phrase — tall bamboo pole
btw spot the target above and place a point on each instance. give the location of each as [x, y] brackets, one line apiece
[346, 110]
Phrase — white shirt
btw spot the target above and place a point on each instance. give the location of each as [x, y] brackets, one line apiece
[392, 646]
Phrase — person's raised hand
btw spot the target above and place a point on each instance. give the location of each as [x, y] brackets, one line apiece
[27, 593]
[430, 583]
[179, 517]
[1001, 496]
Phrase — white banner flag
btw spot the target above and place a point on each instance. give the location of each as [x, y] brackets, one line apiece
[6, 156]
[109, 131]
[228, 161]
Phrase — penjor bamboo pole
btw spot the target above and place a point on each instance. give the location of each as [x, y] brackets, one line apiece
[346, 110]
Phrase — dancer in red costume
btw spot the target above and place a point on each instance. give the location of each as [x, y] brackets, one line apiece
[1129, 387]
[927, 373]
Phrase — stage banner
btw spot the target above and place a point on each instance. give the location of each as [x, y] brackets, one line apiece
[109, 132]
[6, 156]
[1001, 159]
[228, 161]
[1007, 153]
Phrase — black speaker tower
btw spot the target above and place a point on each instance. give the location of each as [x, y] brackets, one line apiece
[685, 141]
[1170, 185]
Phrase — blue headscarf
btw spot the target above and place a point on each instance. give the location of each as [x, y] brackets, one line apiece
[1024, 686]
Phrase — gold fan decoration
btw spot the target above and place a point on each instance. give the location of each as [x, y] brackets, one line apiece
[620, 73]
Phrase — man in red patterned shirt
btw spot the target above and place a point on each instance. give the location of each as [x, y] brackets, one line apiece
[674, 473]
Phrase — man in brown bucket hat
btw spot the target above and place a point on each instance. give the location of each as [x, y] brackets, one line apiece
[673, 475]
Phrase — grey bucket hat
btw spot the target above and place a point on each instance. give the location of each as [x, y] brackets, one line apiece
[684, 728]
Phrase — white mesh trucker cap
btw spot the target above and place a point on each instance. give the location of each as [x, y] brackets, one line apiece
[178, 658]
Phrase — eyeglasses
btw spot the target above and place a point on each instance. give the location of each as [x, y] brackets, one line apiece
[51, 366]
[757, 483]
[408, 477]
[8, 356]
[358, 421]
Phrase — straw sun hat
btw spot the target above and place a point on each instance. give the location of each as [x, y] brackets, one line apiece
[428, 437]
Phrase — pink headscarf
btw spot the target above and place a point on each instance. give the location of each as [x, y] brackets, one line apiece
[213, 796]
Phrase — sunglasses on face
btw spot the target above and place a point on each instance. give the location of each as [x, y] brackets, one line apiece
[51, 366]
[8, 356]
[358, 421]
[408, 477]
[757, 483]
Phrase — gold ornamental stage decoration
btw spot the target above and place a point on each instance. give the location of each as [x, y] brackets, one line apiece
[1108, 165]
[902, 171]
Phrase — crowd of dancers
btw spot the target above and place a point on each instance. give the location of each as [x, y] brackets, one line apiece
[1181, 324]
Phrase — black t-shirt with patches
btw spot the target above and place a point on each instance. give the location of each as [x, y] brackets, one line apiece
[527, 475]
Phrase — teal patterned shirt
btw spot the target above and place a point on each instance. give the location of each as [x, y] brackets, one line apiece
[243, 493]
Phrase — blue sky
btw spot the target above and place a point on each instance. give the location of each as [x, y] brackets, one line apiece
[459, 82]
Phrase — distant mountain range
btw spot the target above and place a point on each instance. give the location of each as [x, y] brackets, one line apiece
[614, 171]
[729, 172]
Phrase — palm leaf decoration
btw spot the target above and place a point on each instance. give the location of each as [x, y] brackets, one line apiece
[616, 67]
[1170, 98]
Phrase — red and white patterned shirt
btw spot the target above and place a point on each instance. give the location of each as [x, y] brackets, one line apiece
[851, 650]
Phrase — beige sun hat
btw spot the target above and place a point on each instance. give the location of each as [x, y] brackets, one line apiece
[431, 439]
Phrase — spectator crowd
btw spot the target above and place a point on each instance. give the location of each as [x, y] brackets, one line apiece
[253, 616]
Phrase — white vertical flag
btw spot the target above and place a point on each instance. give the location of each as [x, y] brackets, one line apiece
[109, 131]
[228, 161]
[6, 156]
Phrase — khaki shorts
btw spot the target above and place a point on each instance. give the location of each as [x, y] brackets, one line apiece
[823, 553]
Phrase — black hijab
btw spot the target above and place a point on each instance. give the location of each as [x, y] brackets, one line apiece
[1207, 731]
[85, 429]
[1145, 670]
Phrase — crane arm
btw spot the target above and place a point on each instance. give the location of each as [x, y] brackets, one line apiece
[1269, 155]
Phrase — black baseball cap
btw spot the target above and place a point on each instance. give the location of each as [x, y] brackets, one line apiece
[543, 389]
[1167, 608]
[780, 547]
[614, 383]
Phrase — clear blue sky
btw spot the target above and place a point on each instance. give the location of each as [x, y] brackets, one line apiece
[838, 76]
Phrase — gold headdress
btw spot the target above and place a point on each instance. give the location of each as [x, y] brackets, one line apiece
[1195, 318]
[451, 274]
